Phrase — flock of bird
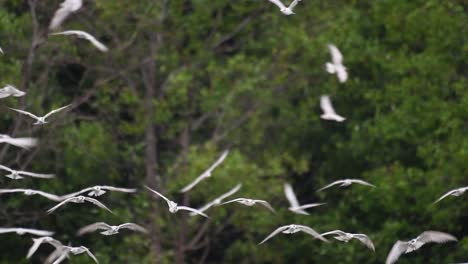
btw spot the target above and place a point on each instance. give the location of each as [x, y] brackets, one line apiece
[62, 252]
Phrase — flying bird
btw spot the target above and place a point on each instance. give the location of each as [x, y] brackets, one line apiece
[10, 90]
[295, 206]
[405, 247]
[251, 202]
[286, 10]
[79, 199]
[110, 229]
[207, 173]
[84, 35]
[21, 231]
[218, 200]
[455, 192]
[346, 182]
[41, 120]
[37, 242]
[328, 111]
[345, 237]
[17, 174]
[291, 229]
[173, 207]
[66, 250]
[30, 192]
[336, 66]
[25, 143]
[66, 8]
[99, 190]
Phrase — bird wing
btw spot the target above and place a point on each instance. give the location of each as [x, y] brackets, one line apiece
[342, 74]
[49, 196]
[365, 240]
[445, 195]
[230, 192]
[192, 210]
[6, 168]
[7, 230]
[234, 200]
[337, 57]
[337, 232]
[25, 143]
[160, 195]
[293, 4]
[37, 175]
[326, 105]
[290, 195]
[91, 255]
[265, 204]
[195, 182]
[274, 233]
[278, 3]
[117, 189]
[330, 185]
[96, 43]
[66, 8]
[71, 195]
[36, 243]
[24, 113]
[397, 250]
[11, 190]
[56, 111]
[93, 227]
[38, 232]
[362, 182]
[306, 206]
[134, 227]
[96, 202]
[218, 161]
[436, 237]
[312, 232]
[59, 204]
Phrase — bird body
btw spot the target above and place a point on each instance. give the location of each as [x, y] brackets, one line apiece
[291, 229]
[286, 10]
[405, 247]
[328, 110]
[40, 120]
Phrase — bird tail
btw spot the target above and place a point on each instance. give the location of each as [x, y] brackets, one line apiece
[330, 68]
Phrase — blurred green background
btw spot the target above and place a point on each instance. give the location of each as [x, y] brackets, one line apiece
[186, 79]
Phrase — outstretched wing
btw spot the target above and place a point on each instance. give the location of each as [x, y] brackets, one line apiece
[49, 196]
[96, 202]
[265, 204]
[230, 192]
[11, 190]
[306, 206]
[91, 255]
[66, 8]
[192, 210]
[294, 4]
[330, 185]
[25, 143]
[436, 237]
[397, 250]
[326, 105]
[362, 182]
[37, 175]
[334, 232]
[312, 232]
[365, 240]
[290, 195]
[56, 111]
[37, 242]
[234, 200]
[337, 57]
[25, 113]
[93, 227]
[134, 227]
[38, 232]
[274, 233]
[117, 189]
[160, 195]
[278, 3]
[445, 195]
[6, 168]
[58, 205]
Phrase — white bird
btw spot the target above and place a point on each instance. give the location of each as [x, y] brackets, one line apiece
[1, 51]
[110, 229]
[37, 242]
[30, 192]
[207, 173]
[10, 90]
[99, 190]
[346, 182]
[17, 174]
[84, 35]
[328, 111]
[345, 237]
[219, 200]
[295, 206]
[286, 10]
[21, 231]
[291, 229]
[455, 192]
[336, 66]
[66, 8]
[41, 120]
[66, 250]
[173, 207]
[79, 199]
[25, 143]
[405, 247]
[251, 202]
